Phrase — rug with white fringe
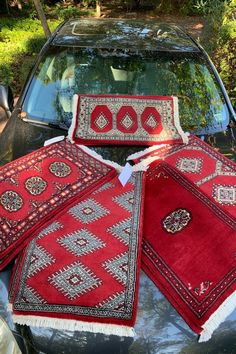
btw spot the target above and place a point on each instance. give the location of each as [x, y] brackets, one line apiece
[81, 271]
[189, 245]
[33, 188]
[123, 119]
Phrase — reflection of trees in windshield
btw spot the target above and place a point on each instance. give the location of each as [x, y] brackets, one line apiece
[222, 342]
[52, 341]
[199, 98]
[159, 328]
[113, 71]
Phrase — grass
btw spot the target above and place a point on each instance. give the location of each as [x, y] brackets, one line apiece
[22, 37]
[20, 41]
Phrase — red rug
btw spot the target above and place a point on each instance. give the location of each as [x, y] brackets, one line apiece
[189, 249]
[212, 172]
[35, 187]
[116, 119]
[81, 271]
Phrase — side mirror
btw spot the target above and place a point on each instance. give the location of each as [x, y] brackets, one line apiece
[6, 99]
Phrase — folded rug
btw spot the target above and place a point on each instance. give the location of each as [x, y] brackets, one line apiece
[129, 120]
[81, 271]
[35, 187]
[189, 249]
[211, 171]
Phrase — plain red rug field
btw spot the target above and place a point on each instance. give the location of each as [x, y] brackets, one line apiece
[189, 248]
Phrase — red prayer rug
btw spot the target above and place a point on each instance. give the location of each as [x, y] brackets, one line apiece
[189, 249]
[81, 271]
[119, 119]
[35, 187]
[211, 171]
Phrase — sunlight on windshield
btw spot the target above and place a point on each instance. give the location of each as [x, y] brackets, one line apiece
[66, 71]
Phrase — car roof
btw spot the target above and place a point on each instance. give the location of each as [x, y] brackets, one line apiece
[123, 34]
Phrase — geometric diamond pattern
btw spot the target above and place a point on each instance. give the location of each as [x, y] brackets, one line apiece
[224, 194]
[101, 121]
[121, 230]
[74, 280]
[127, 121]
[105, 187]
[31, 296]
[88, 211]
[40, 259]
[114, 302]
[54, 226]
[118, 267]
[189, 165]
[125, 200]
[81, 242]
[151, 121]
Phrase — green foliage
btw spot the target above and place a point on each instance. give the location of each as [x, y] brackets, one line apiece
[64, 12]
[225, 53]
[228, 29]
[213, 25]
[206, 7]
[189, 7]
[220, 30]
[21, 34]
[18, 37]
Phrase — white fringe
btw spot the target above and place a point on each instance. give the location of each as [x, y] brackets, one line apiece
[144, 164]
[73, 122]
[9, 307]
[139, 167]
[54, 140]
[73, 325]
[183, 135]
[100, 158]
[224, 310]
[142, 153]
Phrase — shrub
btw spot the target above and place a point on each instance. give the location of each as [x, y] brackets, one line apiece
[18, 37]
[61, 12]
[224, 55]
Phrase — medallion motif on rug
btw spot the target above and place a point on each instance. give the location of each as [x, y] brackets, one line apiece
[189, 248]
[35, 187]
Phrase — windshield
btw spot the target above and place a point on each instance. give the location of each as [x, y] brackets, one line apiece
[65, 71]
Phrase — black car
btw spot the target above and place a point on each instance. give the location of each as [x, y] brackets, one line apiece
[119, 57]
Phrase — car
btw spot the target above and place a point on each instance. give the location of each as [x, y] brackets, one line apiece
[129, 57]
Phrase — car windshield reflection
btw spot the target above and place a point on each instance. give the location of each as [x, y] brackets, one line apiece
[65, 71]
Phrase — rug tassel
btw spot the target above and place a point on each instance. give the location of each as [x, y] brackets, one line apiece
[219, 316]
[73, 325]
[9, 307]
[139, 167]
[73, 122]
[144, 164]
[144, 152]
[183, 135]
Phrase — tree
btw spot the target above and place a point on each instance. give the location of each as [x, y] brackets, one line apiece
[42, 17]
[4, 7]
[98, 8]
